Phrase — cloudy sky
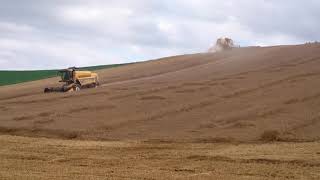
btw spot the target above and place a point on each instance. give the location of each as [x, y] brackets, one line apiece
[45, 34]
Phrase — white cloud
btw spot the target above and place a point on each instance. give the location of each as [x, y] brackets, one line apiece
[167, 27]
[84, 14]
[13, 27]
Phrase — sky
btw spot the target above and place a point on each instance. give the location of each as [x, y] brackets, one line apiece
[50, 34]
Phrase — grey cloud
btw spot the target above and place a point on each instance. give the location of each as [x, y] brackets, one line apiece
[53, 34]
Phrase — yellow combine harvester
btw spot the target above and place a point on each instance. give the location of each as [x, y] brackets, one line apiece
[75, 80]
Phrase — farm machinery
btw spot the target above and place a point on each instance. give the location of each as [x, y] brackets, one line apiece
[75, 79]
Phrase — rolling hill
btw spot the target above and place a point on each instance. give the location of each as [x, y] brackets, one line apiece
[245, 94]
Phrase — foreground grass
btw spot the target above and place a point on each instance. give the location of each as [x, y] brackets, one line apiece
[41, 158]
[14, 77]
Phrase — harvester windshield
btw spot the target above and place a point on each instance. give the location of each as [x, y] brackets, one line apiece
[65, 75]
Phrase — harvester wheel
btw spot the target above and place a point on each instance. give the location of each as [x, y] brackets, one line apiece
[46, 90]
[77, 87]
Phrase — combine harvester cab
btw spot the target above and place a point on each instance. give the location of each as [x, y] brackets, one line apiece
[75, 80]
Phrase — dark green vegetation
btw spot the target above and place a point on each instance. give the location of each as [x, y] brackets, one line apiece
[14, 77]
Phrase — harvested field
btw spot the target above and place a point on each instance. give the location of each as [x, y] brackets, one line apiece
[40, 158]
[236, 94]
[198, 116]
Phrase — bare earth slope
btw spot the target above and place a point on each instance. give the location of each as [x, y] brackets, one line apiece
[234, 95]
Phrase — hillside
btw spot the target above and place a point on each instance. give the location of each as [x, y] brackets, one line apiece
[227, 96]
